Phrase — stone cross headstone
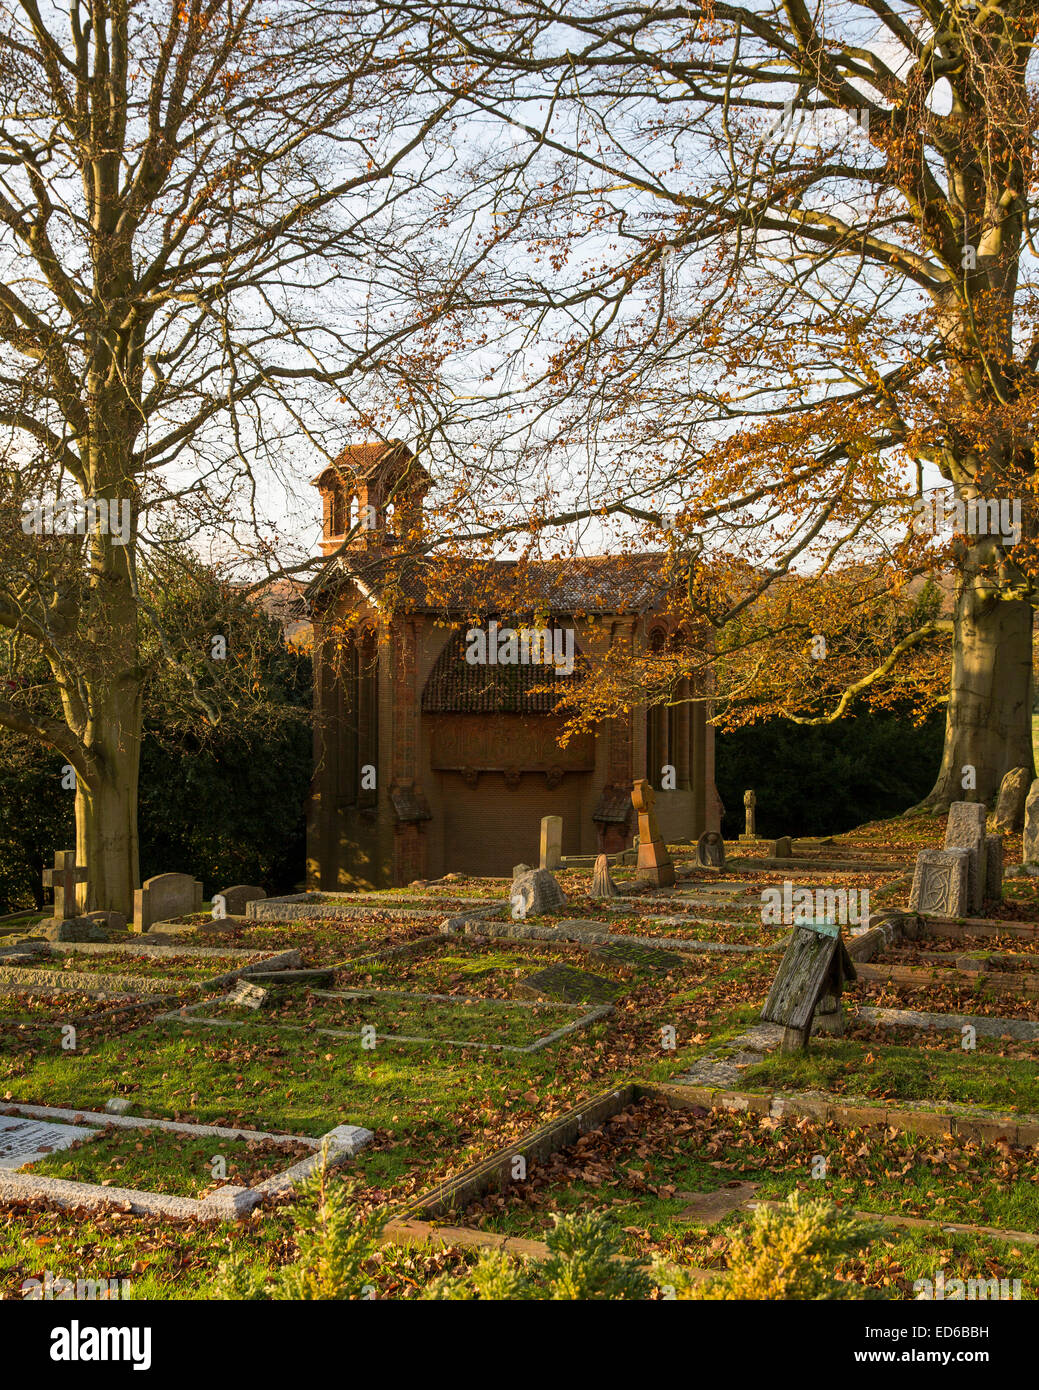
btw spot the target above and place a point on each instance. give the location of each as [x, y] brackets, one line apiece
[654, 863]
[965, 829]
[63, 879]
[1010, 803]
[1030, 833]
[750, 801]
[551, 842]
[940, 883]
[163, 897]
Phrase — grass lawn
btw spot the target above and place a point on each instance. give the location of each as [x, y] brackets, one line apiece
[645, 1164]
[155, 1160]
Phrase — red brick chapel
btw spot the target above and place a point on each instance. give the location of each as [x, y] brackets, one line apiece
[427, 764]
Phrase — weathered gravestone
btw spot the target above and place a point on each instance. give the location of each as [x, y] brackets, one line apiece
[164, 897]
[71, 929]
[63, 878]
[940, 883]
[654, 864]
[994, 867]
[783, 848]
[1009, 814]
[750, 801]
[966, 830]
[237, 898]
[551, 842]
[603, 885]
[710, 851]
[1030, 833]
[535, 893]
[808, 984]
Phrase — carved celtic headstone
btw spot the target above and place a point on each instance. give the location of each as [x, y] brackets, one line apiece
[940, 883]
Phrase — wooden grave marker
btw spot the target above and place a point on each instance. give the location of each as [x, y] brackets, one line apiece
[810, 979]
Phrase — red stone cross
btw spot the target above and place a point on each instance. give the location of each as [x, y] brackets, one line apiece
[63, 879]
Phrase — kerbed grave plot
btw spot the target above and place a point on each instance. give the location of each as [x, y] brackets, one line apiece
[83, 1159]
[960, 972]
[105, 970]
[492, 969]
[398, 1016]
[319, 943]
[985, 1087]
[680, 1183]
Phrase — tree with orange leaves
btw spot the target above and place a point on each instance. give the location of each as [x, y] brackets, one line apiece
[779, 262]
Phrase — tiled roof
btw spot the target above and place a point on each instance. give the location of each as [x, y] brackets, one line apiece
[358, 460]
[594, 584]
[457, 687]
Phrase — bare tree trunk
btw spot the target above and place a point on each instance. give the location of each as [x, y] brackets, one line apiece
[106, 808]
[988, 728]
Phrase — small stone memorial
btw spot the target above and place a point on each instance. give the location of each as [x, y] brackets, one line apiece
[750, 801]
[248, 996]
[603, 885]
[569, 985]
[1030, 833]
[63, 878]
[710, 851]
[236, 899]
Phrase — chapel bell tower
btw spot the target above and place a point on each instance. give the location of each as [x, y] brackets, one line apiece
[376, 492]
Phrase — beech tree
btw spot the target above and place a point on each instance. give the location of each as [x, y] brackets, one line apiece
[780, 259]
[211, 241]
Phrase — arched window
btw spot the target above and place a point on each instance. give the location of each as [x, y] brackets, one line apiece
[358, 732]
